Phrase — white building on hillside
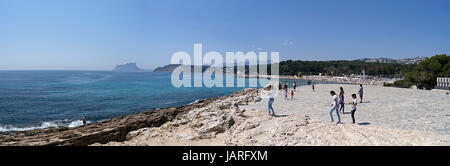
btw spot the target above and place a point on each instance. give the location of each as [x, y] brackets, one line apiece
[443, 83]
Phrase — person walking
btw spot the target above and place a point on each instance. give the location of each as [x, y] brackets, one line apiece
[271, 100]
[335, 107]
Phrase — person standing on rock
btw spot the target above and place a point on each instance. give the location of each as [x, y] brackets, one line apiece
[84, 120]
[335, 107]
[271, 100]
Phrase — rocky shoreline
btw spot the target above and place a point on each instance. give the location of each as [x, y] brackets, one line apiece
[238, 119]
[242, 120]
[113, 130]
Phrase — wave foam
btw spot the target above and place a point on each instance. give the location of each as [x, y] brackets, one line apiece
[56, 123]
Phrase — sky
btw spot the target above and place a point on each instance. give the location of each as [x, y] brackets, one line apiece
[100, 34]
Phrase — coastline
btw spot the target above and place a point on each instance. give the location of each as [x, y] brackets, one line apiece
[246, 123]
[114, 129]
[236, 119]
[334, 79]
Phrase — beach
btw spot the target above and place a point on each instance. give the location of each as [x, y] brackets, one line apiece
[353, 79]
[398, 108]
[388, 116]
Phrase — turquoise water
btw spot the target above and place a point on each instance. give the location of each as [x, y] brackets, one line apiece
[40, 99]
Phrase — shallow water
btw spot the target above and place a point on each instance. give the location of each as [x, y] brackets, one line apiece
[40, 99]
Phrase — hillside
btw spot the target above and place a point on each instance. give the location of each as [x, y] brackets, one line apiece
[415, 60]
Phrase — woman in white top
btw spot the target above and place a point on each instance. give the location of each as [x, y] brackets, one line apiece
[335, 107]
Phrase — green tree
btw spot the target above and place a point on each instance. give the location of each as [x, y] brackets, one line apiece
[424, 75]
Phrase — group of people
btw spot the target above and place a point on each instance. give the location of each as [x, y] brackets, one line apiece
[285, 88]
[337, 102]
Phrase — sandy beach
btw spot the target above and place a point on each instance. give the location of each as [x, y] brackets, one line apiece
[397, 108]
[389, 116]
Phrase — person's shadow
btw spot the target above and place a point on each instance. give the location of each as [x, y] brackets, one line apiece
[279, 116]
[364, 123]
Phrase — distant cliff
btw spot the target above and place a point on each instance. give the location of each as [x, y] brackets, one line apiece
[167, 68]
[172, 67]
[129, 67]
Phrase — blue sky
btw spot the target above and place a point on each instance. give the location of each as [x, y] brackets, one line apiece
[99, 34]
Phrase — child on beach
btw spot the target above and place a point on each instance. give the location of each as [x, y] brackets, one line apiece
[354, 103]
[313, 87]
[335, 107]
[292, 94]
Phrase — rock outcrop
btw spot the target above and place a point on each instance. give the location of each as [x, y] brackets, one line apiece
[200, 126]
[129, 67]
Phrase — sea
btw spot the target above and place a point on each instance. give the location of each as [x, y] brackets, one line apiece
[41, 99]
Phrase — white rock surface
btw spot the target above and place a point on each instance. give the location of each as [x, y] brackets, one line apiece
[390, 116]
